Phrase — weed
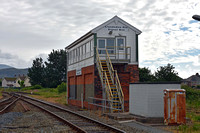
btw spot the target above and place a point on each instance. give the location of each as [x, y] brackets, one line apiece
[196, 127]
[197, 118]
[62, 87]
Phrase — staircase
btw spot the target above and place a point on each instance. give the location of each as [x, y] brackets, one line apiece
[110, 82]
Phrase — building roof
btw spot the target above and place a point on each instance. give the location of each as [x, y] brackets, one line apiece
[22, 78]
[193, 78]
[10, 78]
[116, 19]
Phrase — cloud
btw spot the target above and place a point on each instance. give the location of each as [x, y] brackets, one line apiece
[28, 28]
[17, 62]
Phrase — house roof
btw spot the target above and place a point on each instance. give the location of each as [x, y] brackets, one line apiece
[22, 78]
[10, 79]
[193, 78]
[116, 19]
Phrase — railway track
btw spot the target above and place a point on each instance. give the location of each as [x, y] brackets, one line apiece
[77, 122]
[7, 103]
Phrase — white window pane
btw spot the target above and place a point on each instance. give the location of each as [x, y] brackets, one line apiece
[110, 43]
[101, 43]
[120, 44]
[92, 45]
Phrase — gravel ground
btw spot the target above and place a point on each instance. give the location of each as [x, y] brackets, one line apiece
[37, 121]
[8, 118]
[131, 127]
[99, 117]
[33, 121]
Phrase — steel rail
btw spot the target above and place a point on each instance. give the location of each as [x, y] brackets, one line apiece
[5, 100]
[78, 129]
[9, 105]
[106, 126]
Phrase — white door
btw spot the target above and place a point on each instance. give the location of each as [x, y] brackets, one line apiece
[120, 41]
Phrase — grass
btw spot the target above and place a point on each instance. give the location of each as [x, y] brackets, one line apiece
[193, 111]
[1, 93]
[48, 94]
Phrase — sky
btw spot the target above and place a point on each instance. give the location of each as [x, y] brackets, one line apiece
[32, 28]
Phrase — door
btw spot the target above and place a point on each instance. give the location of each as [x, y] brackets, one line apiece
[181, 110]
[120, 41]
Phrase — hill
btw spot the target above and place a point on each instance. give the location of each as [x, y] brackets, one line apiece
[11, 72]
[3, 66]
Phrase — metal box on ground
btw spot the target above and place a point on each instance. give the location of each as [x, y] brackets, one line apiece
[174, 106]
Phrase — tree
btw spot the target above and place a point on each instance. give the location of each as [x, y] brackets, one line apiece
[167, 73]
[145, 75]
[36, 72]
[21, 83]
[55, 71]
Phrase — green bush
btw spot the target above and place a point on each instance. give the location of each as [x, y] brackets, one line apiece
[198, 86]
[197, 118]
[32, 87]
[37, 87]
[61, 88]
[192, 96]
[196, 127]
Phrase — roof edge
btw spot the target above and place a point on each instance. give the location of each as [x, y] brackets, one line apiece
[79, 40]
[167, 82]
[124, 22]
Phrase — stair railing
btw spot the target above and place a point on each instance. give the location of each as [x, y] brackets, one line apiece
[115, 80]
[119, 90]
[104, 78]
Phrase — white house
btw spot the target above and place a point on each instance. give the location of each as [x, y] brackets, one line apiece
[13, 81]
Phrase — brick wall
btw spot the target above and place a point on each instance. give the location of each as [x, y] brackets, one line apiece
[92, 84]
[83, 83]
[127, 74]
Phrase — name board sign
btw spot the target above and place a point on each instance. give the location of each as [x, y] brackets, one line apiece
[116, 28]
[78, 71]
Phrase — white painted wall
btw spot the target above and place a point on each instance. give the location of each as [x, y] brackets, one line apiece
[147, 99]
[4, 83]
[87, 61]
[27, 82]
[119, 28]
[128, 33]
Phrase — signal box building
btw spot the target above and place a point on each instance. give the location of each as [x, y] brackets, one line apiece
[102, 63]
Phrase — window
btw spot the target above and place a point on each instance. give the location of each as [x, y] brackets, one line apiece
[72, 57]
[92, 45]
[87, 47]
[102, 51]
[101, 43]
[69, 57]
[110, 43]
[120, 43]
[83, 49]
[78, 53]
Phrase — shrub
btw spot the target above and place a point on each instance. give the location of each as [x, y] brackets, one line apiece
[61, 88]
[198, 86]
[37, 87]
[192, 96]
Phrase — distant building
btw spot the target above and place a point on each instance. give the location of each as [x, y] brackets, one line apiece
[9, 82]
[13, 81]
[193, 80]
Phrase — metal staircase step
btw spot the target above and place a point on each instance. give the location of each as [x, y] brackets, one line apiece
[116, 98]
